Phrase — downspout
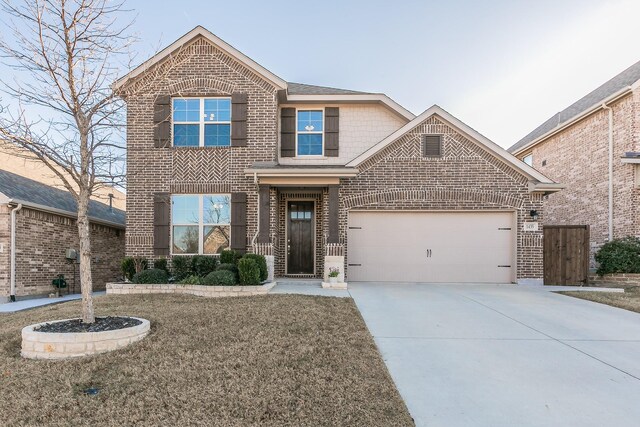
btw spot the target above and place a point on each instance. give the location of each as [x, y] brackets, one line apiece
[255, 236]
[12, 293]
[605, 107]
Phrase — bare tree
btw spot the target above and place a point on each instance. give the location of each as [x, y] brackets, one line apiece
[59, 107]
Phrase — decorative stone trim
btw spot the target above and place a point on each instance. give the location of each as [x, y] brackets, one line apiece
[627, 279]
[432, 194]
[198, 290]
[47, 345]
[337, 285]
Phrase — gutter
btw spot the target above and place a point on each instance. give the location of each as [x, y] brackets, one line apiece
[12, 293]
[612, 98]
[610, 219]
[337, 172]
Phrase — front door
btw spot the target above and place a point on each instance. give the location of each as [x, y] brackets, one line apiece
[300, 237]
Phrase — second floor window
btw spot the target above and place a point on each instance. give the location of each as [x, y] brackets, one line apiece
[310, 132]
[201, 122]
[528, 159]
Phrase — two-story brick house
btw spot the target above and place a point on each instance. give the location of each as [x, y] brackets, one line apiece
[223, 153]
[592, 148]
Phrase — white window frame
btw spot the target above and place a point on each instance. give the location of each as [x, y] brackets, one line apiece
[201, 224]
[310, 133]
[202, 122]
[528, 156]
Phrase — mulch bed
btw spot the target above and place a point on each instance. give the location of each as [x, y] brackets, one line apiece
[102, 324]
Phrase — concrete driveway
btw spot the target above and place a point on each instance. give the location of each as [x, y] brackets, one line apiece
[505, 355]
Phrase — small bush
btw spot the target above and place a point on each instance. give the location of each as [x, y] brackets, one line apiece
[229, 267]
[161, 264]
[220, 278]
[191, 280]
[248, 272]
[153, 275]
[229, 256]
[262, 265]
[182, 267]
[128, 266]
[203, 264]
[619, 256]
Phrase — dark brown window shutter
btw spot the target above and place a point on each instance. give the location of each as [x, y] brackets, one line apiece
[162, 122]
[331, 131]
[239, 221]
[432, 145]
[288, 132]
[264, 208]
[239, 120]
[334, 214]
[161, 223]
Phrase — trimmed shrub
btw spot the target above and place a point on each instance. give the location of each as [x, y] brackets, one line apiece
[153, 275]
[229, 256]
[619, 256]
[161, 264]
[128, 266]
[229, 267]
[182, 267]
[220, 278]
[262, 265]
[191, 280]
[203, 264]
[248, 272]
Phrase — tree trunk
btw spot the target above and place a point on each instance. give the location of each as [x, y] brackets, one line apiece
[86, 282]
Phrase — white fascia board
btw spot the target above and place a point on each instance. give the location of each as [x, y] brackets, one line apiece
[489, 145]
[333, 172]
[226, 47]
[545, 187]
[598, 106]
[631, 160]
[355, 98]
[62, 212]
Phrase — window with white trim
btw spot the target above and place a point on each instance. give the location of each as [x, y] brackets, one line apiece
[309, 132]
[201, 122]
[200, 224]
[528, 159]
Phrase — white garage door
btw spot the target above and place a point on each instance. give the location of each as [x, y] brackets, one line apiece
[442, 247]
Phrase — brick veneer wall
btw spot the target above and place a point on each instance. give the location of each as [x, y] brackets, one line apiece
[200, 69]
[466, 178]
[578, 158]
[41, 243]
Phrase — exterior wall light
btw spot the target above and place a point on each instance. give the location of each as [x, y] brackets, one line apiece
[533, 214]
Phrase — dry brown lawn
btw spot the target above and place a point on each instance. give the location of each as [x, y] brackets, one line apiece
[281, 360]
[629, 300]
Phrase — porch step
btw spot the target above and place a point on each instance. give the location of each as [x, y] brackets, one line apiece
[293, 281]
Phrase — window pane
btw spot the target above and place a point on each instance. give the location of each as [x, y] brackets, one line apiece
[185, 239]
[216, 238]
[186, 110]
[186, 135]
[309, 144]
[185, 210]
[217, 110]
[528, 160]
[217, 209]
[310, 121]
[217, 135]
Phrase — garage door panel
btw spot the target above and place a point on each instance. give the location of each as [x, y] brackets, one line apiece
[431, 247]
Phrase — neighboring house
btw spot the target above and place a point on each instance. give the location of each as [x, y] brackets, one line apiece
[45, 227]
[592, 148]
[21, 163]
[223, 153]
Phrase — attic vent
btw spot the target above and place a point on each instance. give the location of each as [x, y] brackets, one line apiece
[432, 145]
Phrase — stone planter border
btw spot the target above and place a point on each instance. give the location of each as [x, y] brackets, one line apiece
[627, 279]
[49, 345]
[198, 290]
[337, 285]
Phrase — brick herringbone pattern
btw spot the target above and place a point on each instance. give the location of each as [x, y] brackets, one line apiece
[200, 164]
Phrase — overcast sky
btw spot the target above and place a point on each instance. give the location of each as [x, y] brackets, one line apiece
[501, 66]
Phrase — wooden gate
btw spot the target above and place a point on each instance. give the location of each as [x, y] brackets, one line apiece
[566, 254]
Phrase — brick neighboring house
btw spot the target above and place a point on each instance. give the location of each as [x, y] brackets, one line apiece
[223, 153]
[592, 147]
[45, 227]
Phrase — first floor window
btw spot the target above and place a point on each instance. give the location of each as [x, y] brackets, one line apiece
[310, 132]
[201, 122]
[201, 224]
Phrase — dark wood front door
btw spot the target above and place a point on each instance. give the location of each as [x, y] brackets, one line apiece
[300, 220]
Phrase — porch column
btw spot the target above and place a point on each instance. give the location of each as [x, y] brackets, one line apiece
[264, 210]
[334, 231]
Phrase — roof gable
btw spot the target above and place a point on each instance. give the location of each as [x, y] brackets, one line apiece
[467, 131]
[215, 40]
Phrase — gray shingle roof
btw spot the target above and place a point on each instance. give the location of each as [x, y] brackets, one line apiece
[304, 89]
[30, 191]
[619, 82]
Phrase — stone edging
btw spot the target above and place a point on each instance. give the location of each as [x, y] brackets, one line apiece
[618, 279]
[199, 290]
[48, 345]
[337, 285]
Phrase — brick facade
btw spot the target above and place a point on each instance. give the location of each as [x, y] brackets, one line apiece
[467, 177]
[42, 239]
[578, 158]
